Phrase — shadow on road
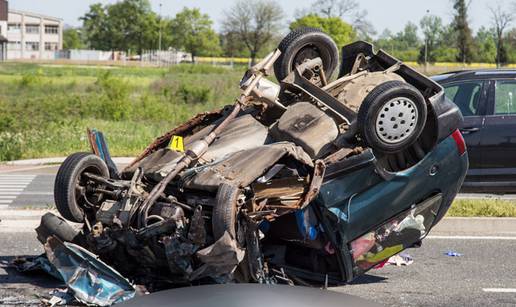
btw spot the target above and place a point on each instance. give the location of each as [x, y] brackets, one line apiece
[368, 279]
[10, 275]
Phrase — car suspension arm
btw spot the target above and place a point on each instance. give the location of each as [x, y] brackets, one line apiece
[199, 148]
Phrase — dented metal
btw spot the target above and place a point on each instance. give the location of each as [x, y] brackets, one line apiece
[255, 196]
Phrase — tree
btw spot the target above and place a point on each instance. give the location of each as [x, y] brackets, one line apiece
[256, 23]
[125, 25]
[461, 26]
[346, 9]
[193, 32]
[334, 8]
[72, 39]
[134, 25]
[403, 45]
[341, 32]
[431, 26]
[96, 28]
[486, 46]
[501, 19]
[231, 45]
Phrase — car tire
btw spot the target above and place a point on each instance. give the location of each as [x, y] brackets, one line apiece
[392, 117]
[224, 213]
[302, 44]
[70, 205]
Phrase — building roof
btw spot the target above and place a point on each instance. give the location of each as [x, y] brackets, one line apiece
[37, 15]
[3, 39]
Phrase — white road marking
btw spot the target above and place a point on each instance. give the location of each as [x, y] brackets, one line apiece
[500, 290]
[12, 186]
[511, 238]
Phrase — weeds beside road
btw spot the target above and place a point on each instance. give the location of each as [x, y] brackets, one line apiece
[45, 110]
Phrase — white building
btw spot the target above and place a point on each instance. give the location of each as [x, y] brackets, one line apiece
[33, 36]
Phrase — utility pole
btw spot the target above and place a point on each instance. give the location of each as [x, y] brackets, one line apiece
[159, 43]
[426, 49]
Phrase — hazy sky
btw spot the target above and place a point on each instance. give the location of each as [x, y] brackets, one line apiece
[391, 14]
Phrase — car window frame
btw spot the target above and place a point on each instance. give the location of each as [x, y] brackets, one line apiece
[484, 99]
[492, 97]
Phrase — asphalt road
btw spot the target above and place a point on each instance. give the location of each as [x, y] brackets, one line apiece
[32, 187]
[484, 275]
[432, 280]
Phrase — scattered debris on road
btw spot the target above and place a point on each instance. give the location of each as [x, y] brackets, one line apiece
[453, 254]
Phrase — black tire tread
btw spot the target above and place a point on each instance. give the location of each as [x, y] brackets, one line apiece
[63, 186]
[224, 213]
[290, 40]
[371, 98]
[294, 35]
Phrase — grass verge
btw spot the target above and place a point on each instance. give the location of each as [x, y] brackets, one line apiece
[482, 208]
[45, 109]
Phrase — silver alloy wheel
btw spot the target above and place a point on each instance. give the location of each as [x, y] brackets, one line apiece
[396, 120]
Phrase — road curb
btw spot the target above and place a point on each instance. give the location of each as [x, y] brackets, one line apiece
[476, 225]
[58, 160]
[25, 221]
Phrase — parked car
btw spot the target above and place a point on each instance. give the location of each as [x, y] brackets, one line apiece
[487, 100]
[309, 180]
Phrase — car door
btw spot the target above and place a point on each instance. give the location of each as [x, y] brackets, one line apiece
[471, 97]
[499, 134]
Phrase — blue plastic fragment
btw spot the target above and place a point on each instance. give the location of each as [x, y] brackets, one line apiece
[91, 281]
[453, 254]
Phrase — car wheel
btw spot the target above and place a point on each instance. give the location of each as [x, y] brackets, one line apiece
[304, 44]
[71, 193]
[224, 213]
[391, 117]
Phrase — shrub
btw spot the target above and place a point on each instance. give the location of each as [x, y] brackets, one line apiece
[114, 99]
[10, 146]
[31, 80]
[193, 93]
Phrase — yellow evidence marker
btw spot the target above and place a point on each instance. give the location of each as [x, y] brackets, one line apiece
[177, 143]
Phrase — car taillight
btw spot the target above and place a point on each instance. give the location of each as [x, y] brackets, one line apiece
[459, 140]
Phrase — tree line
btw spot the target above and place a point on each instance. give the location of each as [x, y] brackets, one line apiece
[250, 28]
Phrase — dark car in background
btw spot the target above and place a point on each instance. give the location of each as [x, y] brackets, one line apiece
[487, 100]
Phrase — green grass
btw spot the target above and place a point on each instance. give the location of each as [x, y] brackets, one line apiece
[482, 208]
[45, 110]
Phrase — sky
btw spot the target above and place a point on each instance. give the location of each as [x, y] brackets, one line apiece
[383, 14]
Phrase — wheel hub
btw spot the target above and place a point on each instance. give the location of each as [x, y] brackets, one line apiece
[396, 120]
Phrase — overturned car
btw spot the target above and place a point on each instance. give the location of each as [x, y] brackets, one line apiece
[306, 181]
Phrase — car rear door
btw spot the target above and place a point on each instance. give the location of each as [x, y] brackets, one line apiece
[471, 98]
[499, 134]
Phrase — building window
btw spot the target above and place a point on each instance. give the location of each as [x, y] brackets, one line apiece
[50, 46]
[51, 29]
[14, 45]
[32, 29]
[32, 46]
[13, 27]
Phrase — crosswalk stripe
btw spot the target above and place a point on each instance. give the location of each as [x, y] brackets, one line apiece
[12, 186]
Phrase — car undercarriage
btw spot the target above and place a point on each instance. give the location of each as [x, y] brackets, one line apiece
[241, 194]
